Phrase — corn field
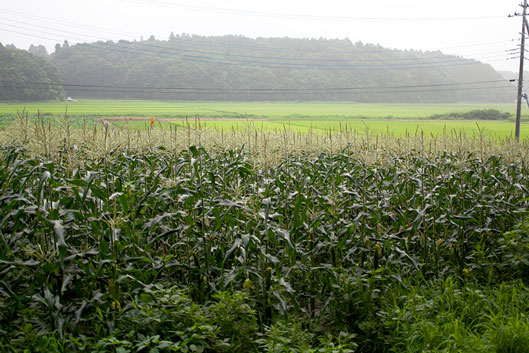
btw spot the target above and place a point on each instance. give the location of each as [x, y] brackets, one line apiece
[192, 240]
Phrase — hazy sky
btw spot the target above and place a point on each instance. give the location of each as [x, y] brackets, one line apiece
[473, 29]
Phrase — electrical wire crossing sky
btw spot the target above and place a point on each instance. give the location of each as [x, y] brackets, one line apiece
[481, 31]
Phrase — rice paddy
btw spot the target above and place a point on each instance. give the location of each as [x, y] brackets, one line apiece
[279, 111]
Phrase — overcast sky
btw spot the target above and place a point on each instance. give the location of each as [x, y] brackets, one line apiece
[472, 29]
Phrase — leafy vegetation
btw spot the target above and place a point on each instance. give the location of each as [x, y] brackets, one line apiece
[485, 114]
[145, 69]
[17, 67]
[110, 242]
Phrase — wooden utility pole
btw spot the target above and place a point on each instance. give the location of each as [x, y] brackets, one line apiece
[520, 75]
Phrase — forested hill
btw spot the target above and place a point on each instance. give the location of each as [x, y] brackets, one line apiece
[239, 68]
[24, 76]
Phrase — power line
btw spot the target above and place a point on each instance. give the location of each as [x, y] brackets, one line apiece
[236, 62]
[261, 93]
[219, 10]
[68, 23]
[447, 59]
[193, 40]
[261, 88]
[215, 44]
[246, 56]
[253, 91]
[477, 44]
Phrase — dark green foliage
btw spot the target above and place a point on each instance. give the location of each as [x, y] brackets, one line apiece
[203, 251]
[19, 70]
[445, 316]
[480, 114]
[514, 252]
[235, 62]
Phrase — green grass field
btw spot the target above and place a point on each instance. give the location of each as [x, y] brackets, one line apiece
[397, 128]
[260, 110]
[386, 119]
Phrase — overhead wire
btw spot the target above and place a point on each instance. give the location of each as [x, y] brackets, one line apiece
[193, 40]
[208, 43]
[234, 62]
[92, 28]
[147, 45]
[260, 90]
[220, 10]
[261, 93]
[138, 48]
[477, 44]
[254, 63]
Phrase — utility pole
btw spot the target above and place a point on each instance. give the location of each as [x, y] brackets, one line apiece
[520, 74]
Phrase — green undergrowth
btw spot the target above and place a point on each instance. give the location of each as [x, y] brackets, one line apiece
[438, 316]
[447, 316]
[479, 114]
[205, 251]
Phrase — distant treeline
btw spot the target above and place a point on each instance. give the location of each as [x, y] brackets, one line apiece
[188, 67]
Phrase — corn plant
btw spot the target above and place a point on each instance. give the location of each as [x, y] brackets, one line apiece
[89, 240]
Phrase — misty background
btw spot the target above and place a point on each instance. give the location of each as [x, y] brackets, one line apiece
[406, 51]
